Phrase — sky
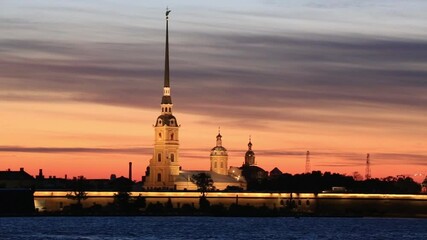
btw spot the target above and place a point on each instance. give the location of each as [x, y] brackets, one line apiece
[81, 84]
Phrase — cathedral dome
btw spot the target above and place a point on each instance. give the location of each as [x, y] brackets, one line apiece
[166, 119]
[219, 150]
[253, 173]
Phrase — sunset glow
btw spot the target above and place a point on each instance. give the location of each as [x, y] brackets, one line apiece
[81, 84]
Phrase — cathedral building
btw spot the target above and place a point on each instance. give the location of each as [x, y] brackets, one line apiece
[164, 171]
[249, 170]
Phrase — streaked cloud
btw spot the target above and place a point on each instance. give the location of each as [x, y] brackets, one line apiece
[71, 150]
[347, 159]
[336, 67]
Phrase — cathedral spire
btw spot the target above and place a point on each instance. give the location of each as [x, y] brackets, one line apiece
[219, 138]
[250, 143]
[166, 84]
[166, 99]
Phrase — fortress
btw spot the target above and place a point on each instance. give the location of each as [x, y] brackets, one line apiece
[164, 171]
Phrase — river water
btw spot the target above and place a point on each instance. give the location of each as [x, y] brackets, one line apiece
[211, 228]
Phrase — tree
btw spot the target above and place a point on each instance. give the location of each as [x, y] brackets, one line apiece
[203, 181]
[121, 200]
[78, 190]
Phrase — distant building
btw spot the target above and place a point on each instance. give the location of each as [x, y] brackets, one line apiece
[249, 155]
[16, 179]
[250, 171]
[275, 172]
[164, 171]
[219, 157]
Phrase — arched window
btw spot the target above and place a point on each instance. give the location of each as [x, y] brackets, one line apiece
[170, 109]
[159, 177]
[159, 157]
[163, 109]
[171, 136]
[172, 157]
[160, 135]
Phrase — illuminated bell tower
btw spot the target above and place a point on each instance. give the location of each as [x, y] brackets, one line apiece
[164, 166]
[219, 157]
[249, 155]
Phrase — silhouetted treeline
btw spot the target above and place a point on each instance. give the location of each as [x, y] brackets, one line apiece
[125, 205]
[113, 184]
[317, 182]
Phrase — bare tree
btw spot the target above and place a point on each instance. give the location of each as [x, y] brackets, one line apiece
[203, 181]
[78, 190]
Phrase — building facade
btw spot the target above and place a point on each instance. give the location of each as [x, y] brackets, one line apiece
[219, 157]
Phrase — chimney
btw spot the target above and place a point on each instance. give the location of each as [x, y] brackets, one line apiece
[130, 171]
[21, 169]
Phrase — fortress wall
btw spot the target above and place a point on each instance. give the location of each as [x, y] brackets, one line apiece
[339, 204]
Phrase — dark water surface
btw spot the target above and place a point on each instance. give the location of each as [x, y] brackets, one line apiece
[211, 228]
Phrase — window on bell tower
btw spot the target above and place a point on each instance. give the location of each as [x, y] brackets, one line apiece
[159, 157]
[159, 177]
[171, 136]
[172, 157]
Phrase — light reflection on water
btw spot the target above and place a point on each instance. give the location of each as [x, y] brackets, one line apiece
[210, 228]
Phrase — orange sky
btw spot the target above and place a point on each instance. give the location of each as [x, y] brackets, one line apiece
[76, 128]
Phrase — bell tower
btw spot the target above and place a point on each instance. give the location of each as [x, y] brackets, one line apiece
[219, 157]
[249, 155]
[164, 165]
